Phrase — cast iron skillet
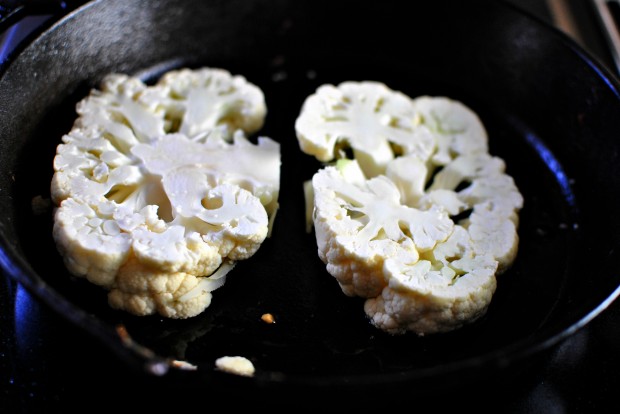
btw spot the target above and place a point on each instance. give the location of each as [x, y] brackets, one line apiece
[552, 112]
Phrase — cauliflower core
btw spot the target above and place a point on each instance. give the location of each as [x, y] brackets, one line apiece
[159, 192]
[422, 218]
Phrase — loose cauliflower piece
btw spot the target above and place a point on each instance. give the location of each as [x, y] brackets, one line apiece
[158, 191]
[424, 236]
[237, 365]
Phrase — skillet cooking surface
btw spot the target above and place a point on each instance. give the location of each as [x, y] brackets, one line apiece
[551, 114]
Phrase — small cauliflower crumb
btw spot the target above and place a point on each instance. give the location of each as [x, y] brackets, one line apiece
[184, 365]
[237, 365]
[268, 318]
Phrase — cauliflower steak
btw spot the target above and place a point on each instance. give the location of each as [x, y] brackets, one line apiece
[424, 220]
[158, 190]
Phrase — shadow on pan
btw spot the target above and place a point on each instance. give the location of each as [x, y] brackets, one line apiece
[550, 109]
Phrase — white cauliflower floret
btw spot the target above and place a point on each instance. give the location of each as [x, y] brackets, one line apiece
[421, 234]
[154, 193]
[210, 97]
[359, 225]
[144, 291]
[492, 197]
[236, 365]
[451, 287]
[368, 117]
[102, 247]
[419, 270]
[456, 128]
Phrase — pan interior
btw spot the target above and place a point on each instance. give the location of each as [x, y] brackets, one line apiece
[550, 128]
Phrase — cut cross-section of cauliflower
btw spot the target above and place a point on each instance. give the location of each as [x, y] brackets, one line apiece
[159, 192]
[375, 122]
[448, 288]
[360, 224]
[210, 97]
[456, 128]
[421, 234]
[479, 183]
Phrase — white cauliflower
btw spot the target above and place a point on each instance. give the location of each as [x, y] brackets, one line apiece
[456, 128]
[489, 194]
[448, 288]
[376, 122]
[423, 237]
[361, 223]
[158, 192]
[237, 365]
